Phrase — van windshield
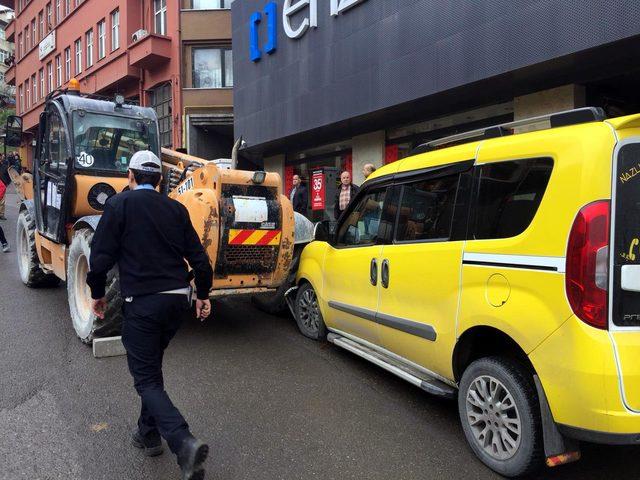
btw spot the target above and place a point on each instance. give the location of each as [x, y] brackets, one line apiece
[107, 142]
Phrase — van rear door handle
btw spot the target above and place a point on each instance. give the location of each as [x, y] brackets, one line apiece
[384, 275]
[373, 272]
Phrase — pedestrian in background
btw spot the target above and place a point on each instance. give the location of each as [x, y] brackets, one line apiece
[345, 194]
[299, 196]
[5, 180]
[3, 240]
[149, 236]
[368, 169]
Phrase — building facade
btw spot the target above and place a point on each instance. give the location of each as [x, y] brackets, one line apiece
[167, 54]
[330, 86]
[7, 94]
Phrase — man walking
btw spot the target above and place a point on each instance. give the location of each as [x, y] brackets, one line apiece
[299, 196]
[149, 236]
[345, 194]
[3, 240]
[4, 180]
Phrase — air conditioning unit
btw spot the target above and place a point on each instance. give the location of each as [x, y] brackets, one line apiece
[139, 35]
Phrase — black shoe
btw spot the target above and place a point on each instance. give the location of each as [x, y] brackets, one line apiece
[151, 449]
[191, 457]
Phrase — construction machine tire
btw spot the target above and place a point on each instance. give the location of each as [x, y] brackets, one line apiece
[275, 303]
[31, 272]
[86, 324]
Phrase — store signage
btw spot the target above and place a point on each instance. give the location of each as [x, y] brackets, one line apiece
[47, 45]
[318, 191]
[290, 8]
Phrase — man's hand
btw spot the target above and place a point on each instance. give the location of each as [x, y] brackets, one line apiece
[203, 309]
[99, 306]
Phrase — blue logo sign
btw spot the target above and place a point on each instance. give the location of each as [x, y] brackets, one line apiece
[271, 13]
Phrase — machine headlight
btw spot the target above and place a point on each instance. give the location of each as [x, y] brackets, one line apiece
[259, 177]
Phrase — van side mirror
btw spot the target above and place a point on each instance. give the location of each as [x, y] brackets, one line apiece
[13, 131]
[324, 231]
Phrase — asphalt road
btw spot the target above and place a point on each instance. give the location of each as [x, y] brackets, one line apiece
[272, 404]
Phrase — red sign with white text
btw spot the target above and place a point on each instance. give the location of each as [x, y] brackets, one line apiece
[318, 189]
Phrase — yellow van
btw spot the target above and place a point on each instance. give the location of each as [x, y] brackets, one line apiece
[503, 270]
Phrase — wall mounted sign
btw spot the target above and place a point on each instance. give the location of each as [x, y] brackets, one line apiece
[47, 45]
[306, 13]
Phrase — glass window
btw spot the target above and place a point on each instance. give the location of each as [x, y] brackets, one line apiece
[49, 19]
[160, 16]
[20, 45]
[102, 39]
[28, 90]
[58, 71]
[3, 34]
[509, 196]
[41, 23]
[34, 31]
[212, 67]
[34, 88]
[161, 103]
[426, 210]
[58, 14]
[49, 77]
[21, 92]
[78, 46]
[107, 142]
[67, 64]
[115, 30]
[67, 7]
[58, 148]
[27, 39]
[42, 92]
[210, 4]
[89, 42]
[361, 226]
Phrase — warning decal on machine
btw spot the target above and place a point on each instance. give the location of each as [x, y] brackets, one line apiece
[255, 237]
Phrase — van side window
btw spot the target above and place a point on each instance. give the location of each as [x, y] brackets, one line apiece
[361, 226]
[509, 195]
[426, 210]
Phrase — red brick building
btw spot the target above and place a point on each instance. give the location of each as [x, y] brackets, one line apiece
[173, 55]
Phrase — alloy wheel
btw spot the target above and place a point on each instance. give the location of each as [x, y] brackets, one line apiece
[493, 417]
[308, 310]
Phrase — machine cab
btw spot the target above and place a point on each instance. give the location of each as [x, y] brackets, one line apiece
[82, 155]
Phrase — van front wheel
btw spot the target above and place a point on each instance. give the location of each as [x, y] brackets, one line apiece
[498, 407]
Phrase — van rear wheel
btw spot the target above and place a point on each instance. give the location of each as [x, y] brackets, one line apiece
[86, 324]
[499, 410]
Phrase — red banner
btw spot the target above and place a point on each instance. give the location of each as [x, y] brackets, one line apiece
[318, 189]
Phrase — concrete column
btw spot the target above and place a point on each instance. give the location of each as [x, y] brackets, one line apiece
[275, 164]
[367, 148]
[544, 102]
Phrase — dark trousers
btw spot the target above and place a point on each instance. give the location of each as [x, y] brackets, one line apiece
[3, 239]
[150, 322]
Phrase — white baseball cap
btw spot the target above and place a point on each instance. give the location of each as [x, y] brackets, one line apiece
[143, 160]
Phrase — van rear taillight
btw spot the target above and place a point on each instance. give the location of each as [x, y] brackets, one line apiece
[587, 264]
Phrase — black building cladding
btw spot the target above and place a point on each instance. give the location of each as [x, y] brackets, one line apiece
[385, 61]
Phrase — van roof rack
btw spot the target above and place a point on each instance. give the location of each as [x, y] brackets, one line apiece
[558, 119]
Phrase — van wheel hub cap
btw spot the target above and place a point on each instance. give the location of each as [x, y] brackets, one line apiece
[493, 417]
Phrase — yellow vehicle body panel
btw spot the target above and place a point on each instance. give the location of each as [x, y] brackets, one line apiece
[591, 377]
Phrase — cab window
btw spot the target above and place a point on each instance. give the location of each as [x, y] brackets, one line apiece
[362, 224]
[509, 194]
[426, 209]
[57, 146]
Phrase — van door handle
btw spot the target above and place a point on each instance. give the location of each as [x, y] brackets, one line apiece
[373, 272]
[384, 275]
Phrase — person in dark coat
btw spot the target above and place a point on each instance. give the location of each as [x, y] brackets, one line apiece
[299, 196]
[149, 236]
[345, 194]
